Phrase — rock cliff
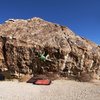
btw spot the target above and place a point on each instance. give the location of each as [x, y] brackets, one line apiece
[35, 46]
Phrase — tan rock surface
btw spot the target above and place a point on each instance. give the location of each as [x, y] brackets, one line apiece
[22, 42]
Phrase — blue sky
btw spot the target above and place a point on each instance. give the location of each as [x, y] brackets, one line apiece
[81, 16]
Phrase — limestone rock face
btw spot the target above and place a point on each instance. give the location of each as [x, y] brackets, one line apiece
[35, 46]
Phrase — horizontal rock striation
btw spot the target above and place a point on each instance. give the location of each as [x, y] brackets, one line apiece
[35, 46]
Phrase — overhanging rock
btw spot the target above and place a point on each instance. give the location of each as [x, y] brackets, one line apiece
[35, 46]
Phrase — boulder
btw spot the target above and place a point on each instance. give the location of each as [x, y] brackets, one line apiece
[35, 46]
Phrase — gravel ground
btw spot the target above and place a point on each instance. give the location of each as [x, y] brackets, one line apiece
[58, 90]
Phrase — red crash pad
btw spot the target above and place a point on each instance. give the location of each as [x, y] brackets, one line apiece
[42, 82]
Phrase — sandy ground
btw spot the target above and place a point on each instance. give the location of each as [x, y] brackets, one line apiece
[58, 90]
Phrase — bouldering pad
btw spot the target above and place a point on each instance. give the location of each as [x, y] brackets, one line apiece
[42, 82]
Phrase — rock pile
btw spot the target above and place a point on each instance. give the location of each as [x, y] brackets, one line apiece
[35, 46]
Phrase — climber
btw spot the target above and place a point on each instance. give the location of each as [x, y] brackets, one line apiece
[44, 57]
